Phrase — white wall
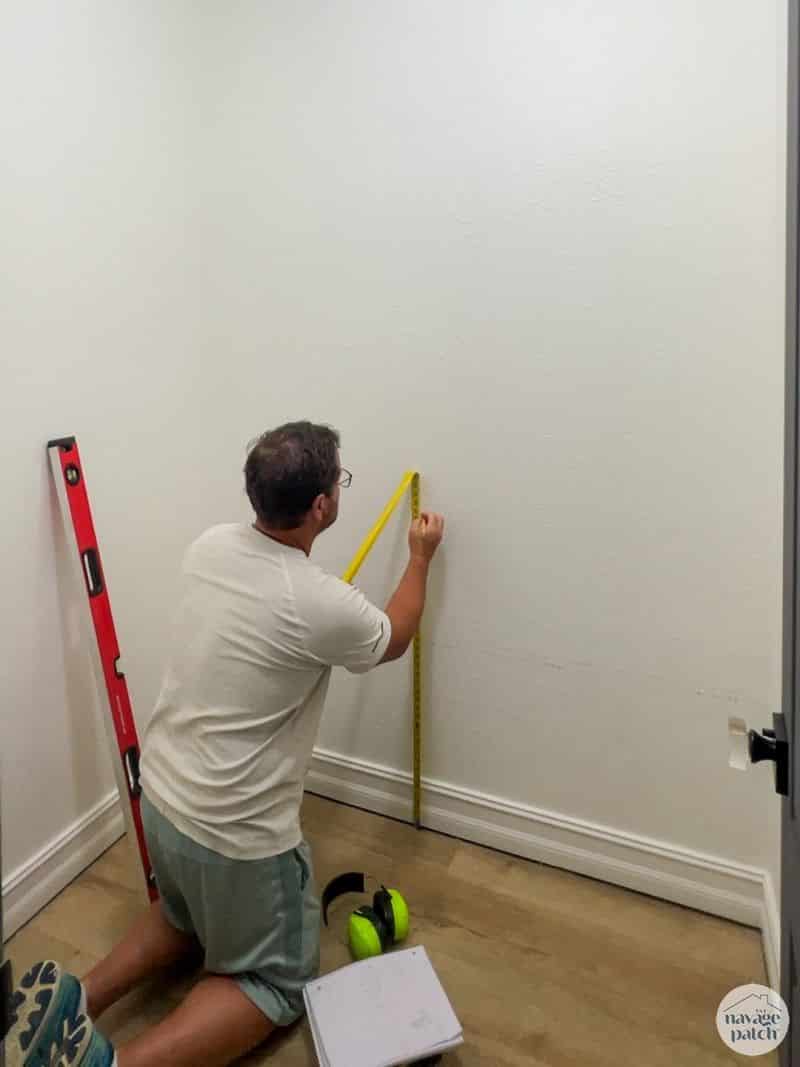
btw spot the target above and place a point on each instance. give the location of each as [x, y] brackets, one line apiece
[534, 249]
[99, 336]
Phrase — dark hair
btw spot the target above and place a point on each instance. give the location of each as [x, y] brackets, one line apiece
[287, 468]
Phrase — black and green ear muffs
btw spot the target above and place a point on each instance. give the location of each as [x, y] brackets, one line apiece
[371, 929]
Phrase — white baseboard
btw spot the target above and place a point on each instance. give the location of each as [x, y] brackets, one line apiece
[33, 885]
[707, 883]
[771, 932]
[682, 876]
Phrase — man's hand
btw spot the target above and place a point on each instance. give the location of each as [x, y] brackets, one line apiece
[405, 607]
[425, 535]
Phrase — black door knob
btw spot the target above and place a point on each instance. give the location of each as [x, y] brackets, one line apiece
[772, 745]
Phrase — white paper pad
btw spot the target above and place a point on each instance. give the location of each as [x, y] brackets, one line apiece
[380, 1012]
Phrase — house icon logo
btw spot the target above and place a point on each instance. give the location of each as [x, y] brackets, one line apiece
[752, 1020]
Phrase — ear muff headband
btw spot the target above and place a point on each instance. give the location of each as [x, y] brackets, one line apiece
[350, 882]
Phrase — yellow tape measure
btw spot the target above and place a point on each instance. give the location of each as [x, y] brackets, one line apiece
[416, 699]
[410, 478]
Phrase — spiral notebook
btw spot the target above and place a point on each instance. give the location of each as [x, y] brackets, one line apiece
[380, 1012]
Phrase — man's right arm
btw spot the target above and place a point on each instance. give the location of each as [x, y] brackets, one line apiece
[406, 604]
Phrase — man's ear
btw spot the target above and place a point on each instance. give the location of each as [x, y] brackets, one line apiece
[318, 506]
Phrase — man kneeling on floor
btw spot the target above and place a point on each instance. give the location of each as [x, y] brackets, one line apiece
[224, 759]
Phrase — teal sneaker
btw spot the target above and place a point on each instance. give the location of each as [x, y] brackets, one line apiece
[44, 1008]
[86, 1047]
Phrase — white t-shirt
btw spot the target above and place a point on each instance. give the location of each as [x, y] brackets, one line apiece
[259, 626]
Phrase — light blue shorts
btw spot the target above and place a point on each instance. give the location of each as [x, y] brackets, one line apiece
[257, 920]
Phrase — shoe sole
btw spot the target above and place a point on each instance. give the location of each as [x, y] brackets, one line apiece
[84, 1040]
[76, 1042]
[35, 1004]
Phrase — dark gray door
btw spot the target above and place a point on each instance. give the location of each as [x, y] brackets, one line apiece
[5, 984]
[790, 835]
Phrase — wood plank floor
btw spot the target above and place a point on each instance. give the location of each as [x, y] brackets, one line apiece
[544, 968]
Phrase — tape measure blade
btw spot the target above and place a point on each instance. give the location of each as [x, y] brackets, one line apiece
[417, 689]
[417, 730]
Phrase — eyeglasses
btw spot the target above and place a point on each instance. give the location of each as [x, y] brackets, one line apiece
[345, 478]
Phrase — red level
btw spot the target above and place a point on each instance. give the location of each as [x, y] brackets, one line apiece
[67, 469]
